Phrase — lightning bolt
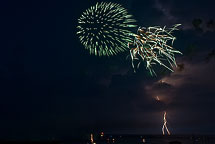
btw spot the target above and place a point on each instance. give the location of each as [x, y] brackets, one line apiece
[164, 127]
[164, 124]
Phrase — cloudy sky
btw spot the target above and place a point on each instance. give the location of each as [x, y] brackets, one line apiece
[52, 88]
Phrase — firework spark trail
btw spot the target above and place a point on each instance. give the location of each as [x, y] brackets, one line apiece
[151, 45]
[105, 29]
[165, 124]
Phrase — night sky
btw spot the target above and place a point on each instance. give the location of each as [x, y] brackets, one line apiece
[51, 88]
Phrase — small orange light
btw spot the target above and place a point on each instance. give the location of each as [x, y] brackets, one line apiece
[113, 140]
[102, 134]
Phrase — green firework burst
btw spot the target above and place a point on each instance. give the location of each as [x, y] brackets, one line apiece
[104, 29]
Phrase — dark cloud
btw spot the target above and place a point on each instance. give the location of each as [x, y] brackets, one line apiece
[185, 12]
[187, 93]
[130, 105]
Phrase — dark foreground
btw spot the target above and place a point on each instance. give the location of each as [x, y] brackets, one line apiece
[132, 139]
